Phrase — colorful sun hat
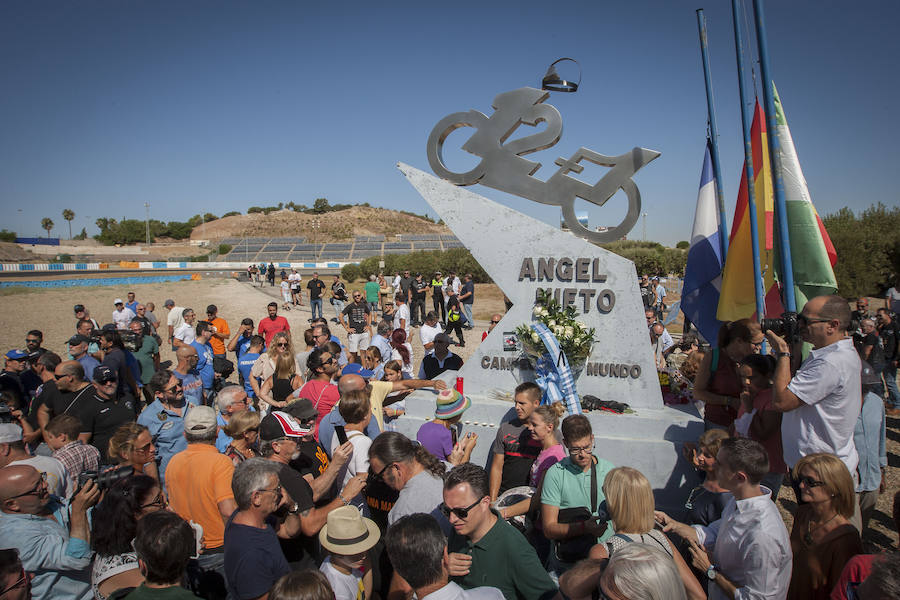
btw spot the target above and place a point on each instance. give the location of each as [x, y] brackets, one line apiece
[451, 403]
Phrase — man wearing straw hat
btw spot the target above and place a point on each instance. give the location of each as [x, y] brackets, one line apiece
[348, 537]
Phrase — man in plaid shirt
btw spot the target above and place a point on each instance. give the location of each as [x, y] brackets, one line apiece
[76, 456]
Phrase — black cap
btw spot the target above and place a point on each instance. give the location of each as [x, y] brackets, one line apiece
[78, 339]
[247, 321]
[104, 374]
[212, 309]
[78, 308]
[302, 410]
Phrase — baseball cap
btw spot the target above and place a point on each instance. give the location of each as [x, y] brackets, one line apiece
[169, 302]
[78, 308]
[442, 337]
[16, 355]
[78, 339]
[10, 432]
[357, 369]
[118, 301]
[104, 374]
[302, 410]
[200, 420]
[278, 424]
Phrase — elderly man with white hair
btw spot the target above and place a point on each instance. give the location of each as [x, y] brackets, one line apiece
[231, 399]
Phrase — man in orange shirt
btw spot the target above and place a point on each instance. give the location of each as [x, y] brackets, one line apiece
[198, 480]
[220, 333]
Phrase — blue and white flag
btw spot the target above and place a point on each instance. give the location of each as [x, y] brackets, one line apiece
[703, 274]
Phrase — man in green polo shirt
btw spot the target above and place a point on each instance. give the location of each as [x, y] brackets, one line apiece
[485, 550]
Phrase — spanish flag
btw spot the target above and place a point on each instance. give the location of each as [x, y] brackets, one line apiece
[737, 299]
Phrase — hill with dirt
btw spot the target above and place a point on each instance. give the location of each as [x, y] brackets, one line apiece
[332, 226]
[10, 252]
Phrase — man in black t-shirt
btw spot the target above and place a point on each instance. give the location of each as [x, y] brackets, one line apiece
[418, 291]
[103, 411]
[868, 344]
[315, 286]
[358, 324]
[646, 291]
[514, 450]
[405, 285]
[890, 341]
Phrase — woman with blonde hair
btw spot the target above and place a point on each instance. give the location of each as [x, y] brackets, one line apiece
[629, 500]
[243, 429]
[717, 383]
[822, 539]
[393, 371]
[285, 379]
[264, 367]
[132, 445]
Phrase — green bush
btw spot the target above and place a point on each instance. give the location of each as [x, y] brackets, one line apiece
[351, 273]
[683, 245]
[231, 213]
[868, 249]
[459, 260]
[7, 236]
[224, 248]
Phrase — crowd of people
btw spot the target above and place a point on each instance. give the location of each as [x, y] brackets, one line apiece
[257, 465]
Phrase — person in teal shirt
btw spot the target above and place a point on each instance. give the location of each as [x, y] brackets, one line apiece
[567, 484]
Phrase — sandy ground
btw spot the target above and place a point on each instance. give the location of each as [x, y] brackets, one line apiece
[51, 311]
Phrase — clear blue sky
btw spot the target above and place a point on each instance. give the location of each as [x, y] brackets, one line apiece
[212, 106]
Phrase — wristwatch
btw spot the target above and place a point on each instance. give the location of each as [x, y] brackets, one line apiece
[711, 572]
[294, 509]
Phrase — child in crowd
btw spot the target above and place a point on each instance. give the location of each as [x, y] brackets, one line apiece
[757, 419]
[286, 292]
[77, 457]
[348, 537]
[393, 371]
[356, 411]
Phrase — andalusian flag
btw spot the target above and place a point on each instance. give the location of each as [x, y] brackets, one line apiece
[812, 253]
[737, 299]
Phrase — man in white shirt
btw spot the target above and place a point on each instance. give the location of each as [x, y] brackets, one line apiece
[174, 319]
[822, 401]
[430, 329]
[748, 553]
[122, 315]
[295, 279]
[418, 548]
[401, 313]
[185, 333]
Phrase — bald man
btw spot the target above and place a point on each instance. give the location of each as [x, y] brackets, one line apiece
[53, 538]
[378, 391]
[190, 382]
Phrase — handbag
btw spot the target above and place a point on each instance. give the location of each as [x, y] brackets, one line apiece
[573, 549]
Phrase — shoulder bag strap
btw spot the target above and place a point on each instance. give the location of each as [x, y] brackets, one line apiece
[593, 486]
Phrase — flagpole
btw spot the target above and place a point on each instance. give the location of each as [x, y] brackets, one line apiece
[714, 137]
[748, 165]
[784, 243]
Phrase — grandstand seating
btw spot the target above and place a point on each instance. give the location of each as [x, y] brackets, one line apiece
[298, 249]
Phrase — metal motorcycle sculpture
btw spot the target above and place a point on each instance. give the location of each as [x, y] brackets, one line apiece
[503, 168]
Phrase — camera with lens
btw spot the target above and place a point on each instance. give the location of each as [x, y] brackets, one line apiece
[104, 479]
[786, 326]
[6, 415]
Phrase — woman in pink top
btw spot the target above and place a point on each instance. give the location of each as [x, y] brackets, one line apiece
[542, 424]
[757, 419]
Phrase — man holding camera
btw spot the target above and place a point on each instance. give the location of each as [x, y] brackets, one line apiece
[822, 400]
[53, 538]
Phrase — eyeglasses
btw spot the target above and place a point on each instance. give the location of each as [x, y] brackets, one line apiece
[810, 321]
[462, 513]
[20, 583]
[494, 322]
[174, 388]
[810, 482]
[580, 450]
[159, 501]
[32, 341]
[39, 486]
[58, 377]
[275, 490]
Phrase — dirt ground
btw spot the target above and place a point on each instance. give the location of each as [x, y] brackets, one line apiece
[51, 311]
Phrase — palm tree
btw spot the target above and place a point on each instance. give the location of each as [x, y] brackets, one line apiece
[69, 215]
[47, 223]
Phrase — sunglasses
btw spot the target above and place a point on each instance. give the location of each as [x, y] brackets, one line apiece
[106, 381]
[144, 449]
[159, 501]
[58, 377]
[32, 341]
[282, 345]
[36, 490]
[174, 388]
[810, 482]
[462, 513]
[494, 322]
[379, 476]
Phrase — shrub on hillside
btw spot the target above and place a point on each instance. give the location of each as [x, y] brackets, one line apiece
[351, 273]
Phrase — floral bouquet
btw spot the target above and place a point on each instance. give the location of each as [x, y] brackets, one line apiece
[558, 346]
[574, 338]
